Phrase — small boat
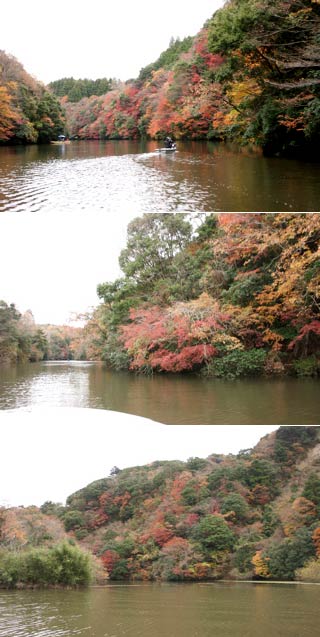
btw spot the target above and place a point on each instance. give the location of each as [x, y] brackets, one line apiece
[62, 139]
[67, 141]
[167, 150]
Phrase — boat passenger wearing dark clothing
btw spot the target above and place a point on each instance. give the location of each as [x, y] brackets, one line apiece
[168, 142]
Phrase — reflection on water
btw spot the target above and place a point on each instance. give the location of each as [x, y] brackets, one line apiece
[175, 400]
[193, 610]
[114, 176]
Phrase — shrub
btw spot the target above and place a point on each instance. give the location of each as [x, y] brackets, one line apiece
[62, 564]
[236, 503]
[213, 534]
[243, 557]
[312, 490]
[72, 520]
[196, 464]
[237, 363]
[310, 572]
[306, 367]
[290, 555]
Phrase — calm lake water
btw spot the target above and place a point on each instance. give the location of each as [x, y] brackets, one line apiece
[192, 610]
[173, 400]
[115, 176]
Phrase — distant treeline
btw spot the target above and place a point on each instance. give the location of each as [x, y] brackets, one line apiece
[75, 90]
[22, 340]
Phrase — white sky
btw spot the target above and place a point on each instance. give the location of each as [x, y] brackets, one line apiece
[55, 272]
[48, 453]
[94, 39]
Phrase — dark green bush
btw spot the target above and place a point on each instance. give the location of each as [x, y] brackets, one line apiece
[290, 555]
[213, 534]
[236, 503]
[237, 363]
[306, 367]
[63, 564]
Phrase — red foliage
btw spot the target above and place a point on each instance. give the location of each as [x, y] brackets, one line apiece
[109, 558]
[161, 534]
[191, 519]
[179, 484]
[173, 340]
[189, 358]
[306, 331]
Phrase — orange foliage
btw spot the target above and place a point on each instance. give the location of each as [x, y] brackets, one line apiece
[8, 116]
[316, 540]
[260, 564]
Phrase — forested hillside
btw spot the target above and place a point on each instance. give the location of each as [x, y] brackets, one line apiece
[229, 296]
[254, 515]
[28, 111]
[250, 75]
[75, 90]
[223, 296]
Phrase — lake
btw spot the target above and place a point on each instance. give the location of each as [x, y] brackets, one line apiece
[169, 399]
[170, 610]
[115, 176]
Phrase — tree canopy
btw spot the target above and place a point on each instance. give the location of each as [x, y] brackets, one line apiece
[28, 111]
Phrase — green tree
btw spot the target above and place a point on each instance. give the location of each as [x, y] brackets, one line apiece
[243, 556]
[9, 317]
[153, 241]
[274, 48]
[49, 120]
[261, 472]
[236, 503]
[291, 554]
[213, 534]
[311, 490]
[72, 520]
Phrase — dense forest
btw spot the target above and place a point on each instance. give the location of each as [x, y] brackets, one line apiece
[29, 112]
[21, 340]
[250, 75]
[223, 296]
[254, 515]
[74, 90]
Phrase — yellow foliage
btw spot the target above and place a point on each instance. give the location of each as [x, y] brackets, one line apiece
[243, 90]
[231, 117]
[230, 343]
[260, 565]
[310, 572]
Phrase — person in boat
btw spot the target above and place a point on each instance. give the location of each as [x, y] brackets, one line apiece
[168, 142]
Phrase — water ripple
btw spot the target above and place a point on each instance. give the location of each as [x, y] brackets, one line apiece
[112, 184]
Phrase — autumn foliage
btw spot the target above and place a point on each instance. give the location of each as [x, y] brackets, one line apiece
[250, 74]
[240, 297]
[28, 111]
[235, 516]
[204, 519]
